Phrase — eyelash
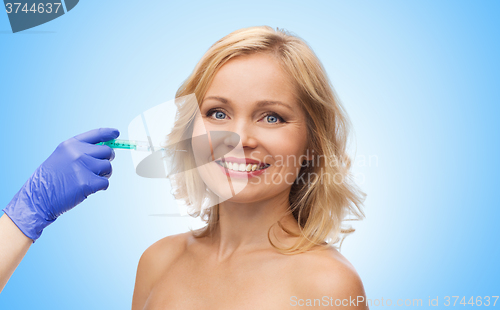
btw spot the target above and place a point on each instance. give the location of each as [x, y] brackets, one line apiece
[281, 119]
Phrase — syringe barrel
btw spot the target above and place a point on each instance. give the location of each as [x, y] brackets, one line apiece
[119, 144]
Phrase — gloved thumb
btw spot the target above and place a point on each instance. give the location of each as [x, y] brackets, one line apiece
[98, 135]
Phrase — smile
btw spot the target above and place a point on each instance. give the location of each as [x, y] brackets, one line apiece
[242, 167]
[241, 170]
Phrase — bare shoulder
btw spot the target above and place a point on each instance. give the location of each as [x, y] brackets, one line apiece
[169, 246]
[327, 275]
[165, 251]
[155, 260]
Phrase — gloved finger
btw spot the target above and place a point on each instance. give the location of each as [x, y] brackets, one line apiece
[100, 151]
[98, 135]
[99, 183]
[97, 166]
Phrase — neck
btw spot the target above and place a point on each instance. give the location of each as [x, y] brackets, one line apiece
[244, 227]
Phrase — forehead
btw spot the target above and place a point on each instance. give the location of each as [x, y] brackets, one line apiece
[252, 78]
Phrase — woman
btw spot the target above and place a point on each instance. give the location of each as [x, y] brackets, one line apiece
[271, 245]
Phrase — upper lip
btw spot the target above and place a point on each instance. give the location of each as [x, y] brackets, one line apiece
[241, 160]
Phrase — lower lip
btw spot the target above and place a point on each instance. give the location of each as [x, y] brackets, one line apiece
[241, 174]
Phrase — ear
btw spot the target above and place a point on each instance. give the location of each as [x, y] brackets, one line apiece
[308, 155]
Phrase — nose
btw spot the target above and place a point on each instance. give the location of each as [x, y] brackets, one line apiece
[246, 136]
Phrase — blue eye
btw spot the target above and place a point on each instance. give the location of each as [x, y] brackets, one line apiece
[272, 118]
[219, 113]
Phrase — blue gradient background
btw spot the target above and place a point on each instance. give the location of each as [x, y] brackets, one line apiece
[419, 80]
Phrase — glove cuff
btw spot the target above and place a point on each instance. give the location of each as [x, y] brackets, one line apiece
[24, 214]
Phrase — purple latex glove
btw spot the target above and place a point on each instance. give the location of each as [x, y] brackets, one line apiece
[76, 169]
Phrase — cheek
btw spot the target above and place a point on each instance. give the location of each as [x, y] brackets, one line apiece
[287, 145]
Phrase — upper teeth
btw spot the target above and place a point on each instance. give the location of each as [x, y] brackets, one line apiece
[241, 167]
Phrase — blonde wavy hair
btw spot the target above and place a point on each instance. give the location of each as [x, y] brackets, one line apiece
[320, 208]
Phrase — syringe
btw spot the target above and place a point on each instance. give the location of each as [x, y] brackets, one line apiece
[143, 146]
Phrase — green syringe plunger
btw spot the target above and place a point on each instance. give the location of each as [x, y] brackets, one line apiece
[127, 145]
[119, 144]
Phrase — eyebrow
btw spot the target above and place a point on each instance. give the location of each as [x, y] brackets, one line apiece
[260, 104]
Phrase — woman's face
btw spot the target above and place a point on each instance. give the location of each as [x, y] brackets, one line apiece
[251, 96]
